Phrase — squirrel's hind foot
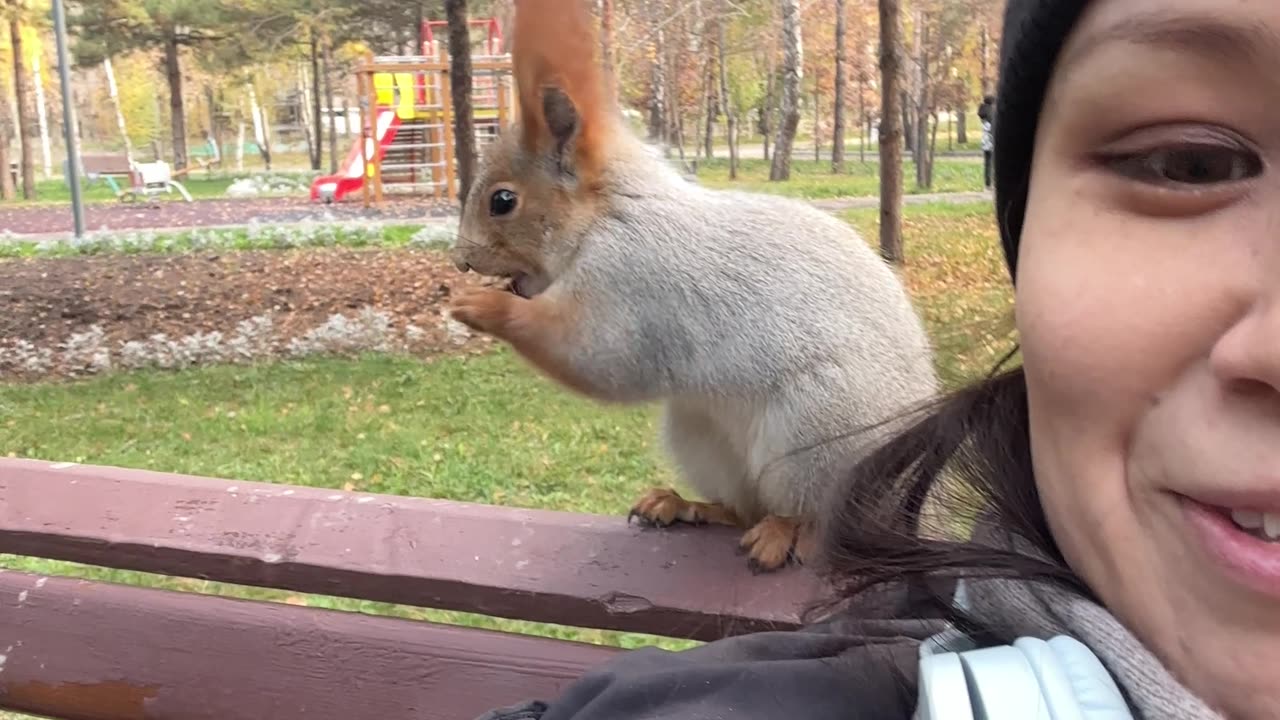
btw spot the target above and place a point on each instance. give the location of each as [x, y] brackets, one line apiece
[663, 507]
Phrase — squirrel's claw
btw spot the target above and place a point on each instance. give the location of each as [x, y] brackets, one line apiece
[642, 520]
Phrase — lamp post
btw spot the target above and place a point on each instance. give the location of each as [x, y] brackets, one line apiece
[68, 115]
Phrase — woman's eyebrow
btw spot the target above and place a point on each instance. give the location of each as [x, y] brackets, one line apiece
[1198, 34]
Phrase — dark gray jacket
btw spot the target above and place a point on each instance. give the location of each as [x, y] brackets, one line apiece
[859, 666]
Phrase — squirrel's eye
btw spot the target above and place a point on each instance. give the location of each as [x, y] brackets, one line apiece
[502, 202]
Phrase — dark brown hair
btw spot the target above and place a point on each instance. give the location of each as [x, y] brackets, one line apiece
[969, 455]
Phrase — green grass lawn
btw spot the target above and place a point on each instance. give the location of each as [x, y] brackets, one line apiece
[814, 180]
[956, 273]
[480, 429]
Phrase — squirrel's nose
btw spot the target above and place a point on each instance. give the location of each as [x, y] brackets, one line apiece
[461, 265]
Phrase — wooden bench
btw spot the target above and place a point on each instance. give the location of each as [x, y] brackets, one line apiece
[85, 650]
[145, 179]
[108, 167]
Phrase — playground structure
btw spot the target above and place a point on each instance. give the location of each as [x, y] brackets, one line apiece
[407, 120]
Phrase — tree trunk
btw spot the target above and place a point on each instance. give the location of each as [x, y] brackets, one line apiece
[726, 100]
[986, 79]
[923, 152]
[419, 31]
[327, 57]
[708, 139]
[890, 131]
[240, 148]
[657, 78]
[304, 105]
[115, 103]
[317, 111]
[871, 130]
[864, 122]
[766, 108]
[177, 113]
[817, 122]
[215, 128]
[933, 150]
[28, 132]
[42, 115]
[6, 133]
[908, 126]
[464, 131]
[837, 117]
[792, 75]
[261, 133]
[676, 108]
[962, 124]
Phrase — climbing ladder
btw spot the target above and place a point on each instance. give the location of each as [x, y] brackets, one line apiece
[416, 154]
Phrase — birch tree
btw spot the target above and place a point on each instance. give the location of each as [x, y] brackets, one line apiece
[792, 78]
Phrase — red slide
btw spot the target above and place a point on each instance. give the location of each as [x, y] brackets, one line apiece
[351, 176]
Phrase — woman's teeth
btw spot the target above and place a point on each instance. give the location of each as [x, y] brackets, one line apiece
[1258, 524]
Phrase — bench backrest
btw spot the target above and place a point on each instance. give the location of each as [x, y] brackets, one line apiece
[105, 164]
[166, 654]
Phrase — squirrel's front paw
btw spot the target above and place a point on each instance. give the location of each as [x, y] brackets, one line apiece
[484, 310]
[661, 507]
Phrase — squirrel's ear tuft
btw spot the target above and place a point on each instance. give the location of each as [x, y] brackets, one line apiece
[566, 97]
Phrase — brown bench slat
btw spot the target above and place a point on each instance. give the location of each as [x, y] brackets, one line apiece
[582, 570]
[106, 163]
[95, 651]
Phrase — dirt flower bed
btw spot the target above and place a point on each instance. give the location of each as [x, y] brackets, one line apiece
[80, 315]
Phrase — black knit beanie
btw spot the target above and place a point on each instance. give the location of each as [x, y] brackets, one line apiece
[1034, 33]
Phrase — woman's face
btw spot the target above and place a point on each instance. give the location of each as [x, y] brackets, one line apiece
[1149, 311]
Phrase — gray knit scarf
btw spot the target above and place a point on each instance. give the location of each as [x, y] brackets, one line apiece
[1042, 610]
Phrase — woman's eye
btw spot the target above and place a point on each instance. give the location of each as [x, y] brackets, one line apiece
[1190, 165]
[502, 202]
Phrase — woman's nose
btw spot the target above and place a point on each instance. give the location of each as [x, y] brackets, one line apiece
[1249, 354]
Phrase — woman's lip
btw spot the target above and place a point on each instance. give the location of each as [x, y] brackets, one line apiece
[1250, 561]
[1257, 500]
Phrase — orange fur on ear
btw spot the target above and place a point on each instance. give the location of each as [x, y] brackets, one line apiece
[555, 44]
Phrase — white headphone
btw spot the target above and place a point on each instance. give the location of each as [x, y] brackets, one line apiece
[1033, 679]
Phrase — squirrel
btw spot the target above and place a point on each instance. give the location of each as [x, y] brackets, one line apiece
[773, 334]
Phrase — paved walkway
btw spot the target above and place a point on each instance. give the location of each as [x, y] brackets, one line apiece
[855, 203]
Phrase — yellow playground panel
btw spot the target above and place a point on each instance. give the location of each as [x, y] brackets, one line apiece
[407, 121]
